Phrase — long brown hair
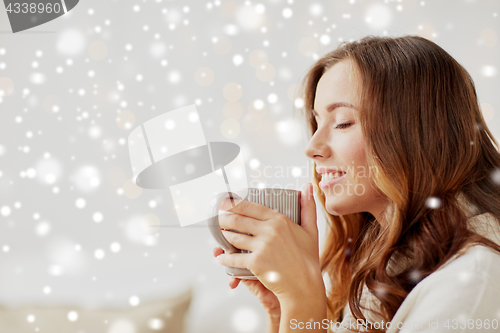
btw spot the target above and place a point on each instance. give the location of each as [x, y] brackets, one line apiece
[426, 137]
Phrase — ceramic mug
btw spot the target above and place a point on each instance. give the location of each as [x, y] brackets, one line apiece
[285, 201]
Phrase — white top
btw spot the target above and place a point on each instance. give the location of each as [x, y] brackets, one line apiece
[463, 295]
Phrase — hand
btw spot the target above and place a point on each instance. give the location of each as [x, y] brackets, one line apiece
[268, 300]
[284, 255]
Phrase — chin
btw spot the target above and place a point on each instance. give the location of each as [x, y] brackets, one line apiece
[334, 209]
[343, 204]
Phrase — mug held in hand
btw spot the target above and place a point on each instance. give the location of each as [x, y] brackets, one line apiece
[285, 201]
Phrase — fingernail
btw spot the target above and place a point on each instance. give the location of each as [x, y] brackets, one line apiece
[220, 256]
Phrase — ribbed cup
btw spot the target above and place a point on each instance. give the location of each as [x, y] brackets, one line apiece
[284, 201]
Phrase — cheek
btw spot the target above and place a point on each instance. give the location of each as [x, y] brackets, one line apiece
[352, 152]
[359, 155]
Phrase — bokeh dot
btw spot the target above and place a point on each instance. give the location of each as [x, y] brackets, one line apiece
[52, 104]
[257, 108]
[80, 203]
[233, 110]
[204, 76]
[495, 176]
[254, 163]
[150, 223]
[72, 316]
[97, 217]
[378, 16]
[98, 50]
[99, 254]
[232, 91]
[488, 112]
[237, 59]
[115, 247]
[134, 300]
[157, 49]
[245, 319]
[131, 190]
[265, 72]
[316, 9]
[169, 124]
[287, 13]
[272, 276]
[426, 30]
[325, 39]
[433, 203]
[71, 42]
[228, 9]
[248, 18]
[292, 92]
[37, 78]
[489, 71]
[221, 44]
[43, 228]
[6, 86]
[272, 98]
[230, 128]
[257, 58]
[156, 324]
[286, 131]
[299, 103]
[488, 37]
[308, 46]
[174, 77]
[251, 122]
[5, 210]
[125, 120]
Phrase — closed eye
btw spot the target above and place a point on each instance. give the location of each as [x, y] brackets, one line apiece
[342, 126]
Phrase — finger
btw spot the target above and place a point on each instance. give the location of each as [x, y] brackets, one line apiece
[238, 260]
[240, 241]
[239, 223]
[248, 208]
[217, 251]
[233, 282]
[308, 218]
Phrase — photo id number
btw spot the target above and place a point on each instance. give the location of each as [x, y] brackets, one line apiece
[33, 8]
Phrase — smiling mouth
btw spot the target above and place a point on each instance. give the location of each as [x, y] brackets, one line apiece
[330, 178]
[332, 175]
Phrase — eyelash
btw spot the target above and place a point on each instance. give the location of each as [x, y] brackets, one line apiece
[345, 125]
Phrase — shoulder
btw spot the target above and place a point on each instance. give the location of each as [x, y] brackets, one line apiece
[466, 288]
[478, 266]
[477, 260]
[473, 261]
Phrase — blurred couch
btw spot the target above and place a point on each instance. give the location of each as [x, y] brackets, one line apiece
[161, 315]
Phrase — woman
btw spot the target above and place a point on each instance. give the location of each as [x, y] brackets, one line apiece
[416, 247]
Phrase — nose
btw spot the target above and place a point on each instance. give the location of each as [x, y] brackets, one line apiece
[317, 147]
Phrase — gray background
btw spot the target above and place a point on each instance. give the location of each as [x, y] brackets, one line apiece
[51, 158]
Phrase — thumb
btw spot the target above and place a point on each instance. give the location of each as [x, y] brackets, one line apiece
[308, 218]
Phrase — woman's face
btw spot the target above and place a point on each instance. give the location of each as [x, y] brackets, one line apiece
[338, 144]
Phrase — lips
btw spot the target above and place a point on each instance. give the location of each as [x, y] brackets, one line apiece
[322, 170]
[326, 183]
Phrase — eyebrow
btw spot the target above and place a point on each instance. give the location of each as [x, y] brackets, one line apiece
[333, 106]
